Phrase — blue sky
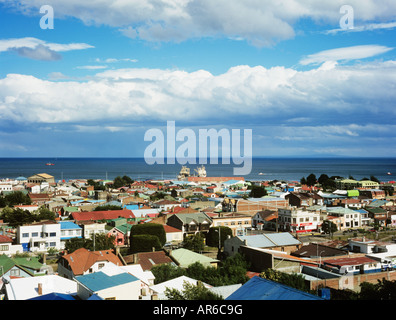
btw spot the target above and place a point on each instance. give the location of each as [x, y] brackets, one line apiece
[111, 70]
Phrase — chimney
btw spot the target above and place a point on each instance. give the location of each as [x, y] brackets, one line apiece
[40, 289]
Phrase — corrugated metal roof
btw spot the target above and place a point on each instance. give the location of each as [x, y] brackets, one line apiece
[262, 289]
[97, 281]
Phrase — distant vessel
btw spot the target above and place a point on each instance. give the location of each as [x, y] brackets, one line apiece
[260, 174]
[185, 172]
[389, 174]
[50, 164]
[201, 171]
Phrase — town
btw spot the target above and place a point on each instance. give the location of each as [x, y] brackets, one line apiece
[197, 237]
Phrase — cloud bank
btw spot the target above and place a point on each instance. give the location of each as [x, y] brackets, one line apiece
[260, 22]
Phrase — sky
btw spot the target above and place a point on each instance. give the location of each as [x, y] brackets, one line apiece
[310, 78]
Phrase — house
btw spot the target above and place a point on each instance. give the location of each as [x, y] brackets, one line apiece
[83, 261]
[7, 248]
[190, 223]
[109, 284]
[69, 230]
[39, 199]
[304, 199]
[352, 265]
[283, 241]
[146, 278]
[262, 289]
[299, 220]
[102, 215]
[176, 283]
[33, 287]
[379, 215]
[251, 206]
[237, 222]
[261, 259]
[91, 228]
[173, 235]
[363, 245]
[165, 205]
[318, 251]
[184, 258]
[40, 236]
[41, 177]
[21, 267]
[265, 220]
[349, 218]
[149, 259]
[120, 231]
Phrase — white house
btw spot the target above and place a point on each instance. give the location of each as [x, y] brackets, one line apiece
[40, 236]
[109, 284]
[298, 220]
[69, 230]
[7, 248]
[32, 287]
[5, 187]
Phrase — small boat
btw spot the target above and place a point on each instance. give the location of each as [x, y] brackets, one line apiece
[50, 164]
[260, 174]
[389, 174]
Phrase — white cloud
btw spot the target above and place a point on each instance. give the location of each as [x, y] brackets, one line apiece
[347, 53]
[37, 49]
[260, 22]
[255, 93]
[368, 27]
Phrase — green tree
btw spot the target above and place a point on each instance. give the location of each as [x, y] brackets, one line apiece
[303, 181]
[192, 292]
[16, 216]
[372, 178]
[174, 193]
[212, 237]
[257, 191]
[311, 180]
[329, 227]
[293, 280]
[323, 178]
[144, 243]
[153, 229]
[194, 242]
[101, 241]
[17, 198]
[73, 244]
[45, 214]
[165, 272]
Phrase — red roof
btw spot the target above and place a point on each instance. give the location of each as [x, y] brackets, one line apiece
[349, 261]
[169, 229]
[103, 215]
[5, 239]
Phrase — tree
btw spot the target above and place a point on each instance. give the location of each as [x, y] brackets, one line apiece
[323, 178]
[293, 280]
[303, 181]
[192, 292]
[212, 237]
[144, 243]
[194, 242]
[311, 180]
[165, 272]
[174, 193]
[16, 198]
[329, 227]
[154, 229]
[16, 216]
[45, 214]
[258, 192]
[372, 178]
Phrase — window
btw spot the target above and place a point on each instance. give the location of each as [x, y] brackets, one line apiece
[52, 234]
[25, 235]
[52, 244]
[4, 247]
[34, 234]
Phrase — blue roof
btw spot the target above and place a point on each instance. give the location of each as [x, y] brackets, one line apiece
[97, 281]
[262, 289]
[54, 296]
[68, 225]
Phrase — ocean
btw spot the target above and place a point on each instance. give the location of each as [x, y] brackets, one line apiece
[290, 169]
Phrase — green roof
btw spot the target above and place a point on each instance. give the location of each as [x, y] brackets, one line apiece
[353, 193]
[186, 257]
